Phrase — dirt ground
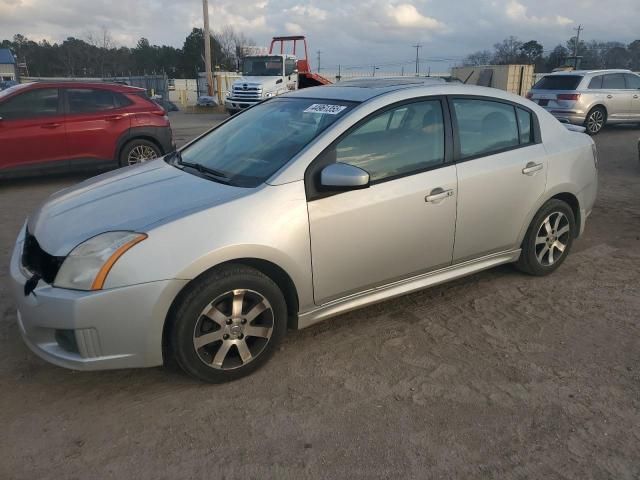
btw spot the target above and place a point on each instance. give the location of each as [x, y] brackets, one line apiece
[498, 375]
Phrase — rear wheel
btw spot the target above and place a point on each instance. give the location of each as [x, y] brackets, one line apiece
[548, 239]
[228, 324]
[138, 151]
[596, 120]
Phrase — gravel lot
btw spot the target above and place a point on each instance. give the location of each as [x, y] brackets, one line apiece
[497, 375]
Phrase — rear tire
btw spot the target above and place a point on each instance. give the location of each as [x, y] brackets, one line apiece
[227, 324]
[137, 151]
[548, 239]
[596, 120]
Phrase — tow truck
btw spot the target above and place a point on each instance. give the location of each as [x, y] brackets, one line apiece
[265, 76]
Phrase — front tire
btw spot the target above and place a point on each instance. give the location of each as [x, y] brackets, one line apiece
[596, 120]
[548, 239]
[227, 324]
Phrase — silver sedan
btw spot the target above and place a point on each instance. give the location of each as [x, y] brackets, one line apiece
[303, 207]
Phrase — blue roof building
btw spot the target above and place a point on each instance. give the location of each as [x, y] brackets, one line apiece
[8, 66]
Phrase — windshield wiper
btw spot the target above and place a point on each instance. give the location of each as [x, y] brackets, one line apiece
[200, 168]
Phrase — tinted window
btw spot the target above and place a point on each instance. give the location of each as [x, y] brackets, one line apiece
[613, 81]
[403, 140]
[31, 104]
[485, 126]
[558, 82]
[252, 146]
[289, 66]
[84, 100]
[596, 82]
[633, 81]
[524, 124]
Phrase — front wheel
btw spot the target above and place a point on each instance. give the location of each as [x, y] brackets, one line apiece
[548, 239]
[228, 324]
[596, 120]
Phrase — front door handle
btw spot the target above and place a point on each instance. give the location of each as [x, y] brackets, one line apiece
[438, 194]
[635, 96]
[609, 96]
[51, 125]
[532, 168]
[114, 118]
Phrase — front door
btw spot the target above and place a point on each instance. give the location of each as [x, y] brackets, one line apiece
[404, 223]
[32, 129]
[501, 173]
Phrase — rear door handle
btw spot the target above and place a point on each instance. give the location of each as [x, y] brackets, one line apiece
[532, 168]
[635, 96]
[50, 125]
[114, 118]
[609, 96]
[438, 194]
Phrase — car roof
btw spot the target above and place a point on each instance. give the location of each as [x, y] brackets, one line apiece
[115, 87]
[363, 89]
[588, 72]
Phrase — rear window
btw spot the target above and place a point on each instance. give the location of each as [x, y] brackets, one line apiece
[558, 82]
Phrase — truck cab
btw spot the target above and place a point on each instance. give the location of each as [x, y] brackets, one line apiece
[263, 76]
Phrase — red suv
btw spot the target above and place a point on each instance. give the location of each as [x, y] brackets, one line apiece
[54, 125]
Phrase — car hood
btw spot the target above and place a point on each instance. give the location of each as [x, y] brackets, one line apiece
[133, 198]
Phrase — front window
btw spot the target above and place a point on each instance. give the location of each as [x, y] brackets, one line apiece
[267, 66]
[250, 147]
[42, 102]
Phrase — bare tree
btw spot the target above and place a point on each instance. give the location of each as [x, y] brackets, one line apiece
[481, 57]
[233, 45]
[104, 42]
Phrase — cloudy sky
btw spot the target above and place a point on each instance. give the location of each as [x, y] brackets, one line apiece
[348, 32]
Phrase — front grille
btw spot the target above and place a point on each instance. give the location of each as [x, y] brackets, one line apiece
[246, 93]
[39, 262]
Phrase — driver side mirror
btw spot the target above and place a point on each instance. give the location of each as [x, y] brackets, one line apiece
[343, 177]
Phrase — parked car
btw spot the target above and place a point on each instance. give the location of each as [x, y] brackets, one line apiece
[590, 98]
[4, 84]
[47, 126]
[308, 205]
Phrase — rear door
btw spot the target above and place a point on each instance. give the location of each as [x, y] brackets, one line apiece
[502, 168]
[32, 129]
[617, 98]
[633, 87]
[96, 118]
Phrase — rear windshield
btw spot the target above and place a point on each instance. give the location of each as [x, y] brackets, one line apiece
[558, 82]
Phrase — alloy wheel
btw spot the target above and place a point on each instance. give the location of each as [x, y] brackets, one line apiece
[595, 122]
[141, 153]
[552, 238]
[233, 329]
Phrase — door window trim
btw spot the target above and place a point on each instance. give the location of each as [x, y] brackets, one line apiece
[312, 172]
[67, 106]
[535, 125]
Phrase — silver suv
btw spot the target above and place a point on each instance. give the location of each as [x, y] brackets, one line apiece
[590, 98]
[308, 205]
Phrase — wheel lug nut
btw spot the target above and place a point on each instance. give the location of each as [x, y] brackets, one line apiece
[225, 337]
[229, 321]
[243, 321]
[241, 336]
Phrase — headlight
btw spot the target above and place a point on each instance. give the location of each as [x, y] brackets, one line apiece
[87, 266]
[227, 93]
[269, 95]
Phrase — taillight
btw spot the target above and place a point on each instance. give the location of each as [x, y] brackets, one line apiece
[568, 96]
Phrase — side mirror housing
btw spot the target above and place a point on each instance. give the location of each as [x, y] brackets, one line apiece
[342, 177]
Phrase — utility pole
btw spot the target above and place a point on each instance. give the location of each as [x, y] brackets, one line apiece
[319, 52]
[374, 71]
[417, 46]
[339, 77]
[207, 48]
[575, 46]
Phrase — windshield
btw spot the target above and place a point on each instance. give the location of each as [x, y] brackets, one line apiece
[558, 82]
[14, 88]
[250, 147]
[269, 66]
